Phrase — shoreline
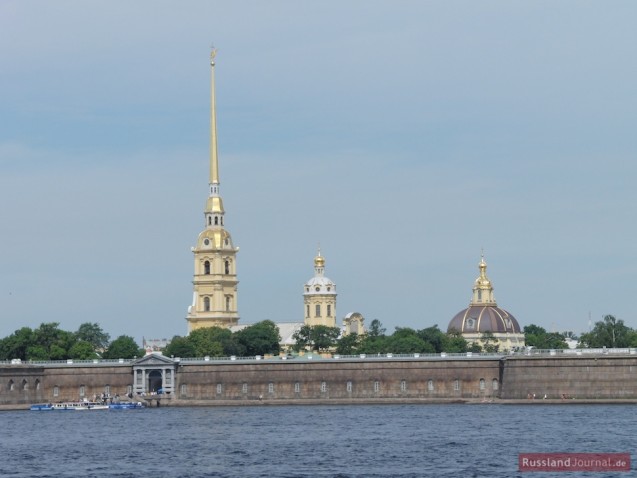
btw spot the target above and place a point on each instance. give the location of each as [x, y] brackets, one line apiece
[168, 403]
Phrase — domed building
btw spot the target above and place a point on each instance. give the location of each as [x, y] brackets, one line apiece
[319, 297]
[484, 315]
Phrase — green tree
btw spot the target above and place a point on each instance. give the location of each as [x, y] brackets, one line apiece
[405, 340]
[180, 347]
[609, 332]
[94, 335]
[489, 343]
[260, 338]
[318, 337]
[82, 350]
[435, 337]
[15, 345]
[123, 347]
[215, 342]
[455, 343]
[348, 344]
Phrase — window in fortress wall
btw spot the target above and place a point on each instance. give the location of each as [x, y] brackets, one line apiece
[482, 384]
[219, 389]
[82, 390]
[56, 391]
[323, 386]
[244, 389]
[456, 385]
[376, 386]
[430, 385]
[184, 389]
[403, 385]
[270, 387]
[495, 384]
[297, 387]
[349, 385]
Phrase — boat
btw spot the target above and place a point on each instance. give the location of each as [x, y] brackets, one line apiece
[69, 406]
[87, 406]
[125, 405]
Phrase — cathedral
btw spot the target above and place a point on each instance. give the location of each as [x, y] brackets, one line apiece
[214, 300]
[484, 315]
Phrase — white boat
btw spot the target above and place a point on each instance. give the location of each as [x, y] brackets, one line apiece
[70, 406]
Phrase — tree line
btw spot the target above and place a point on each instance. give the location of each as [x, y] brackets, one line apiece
[49, 342]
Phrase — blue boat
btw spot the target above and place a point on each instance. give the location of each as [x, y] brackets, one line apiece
[65, 406]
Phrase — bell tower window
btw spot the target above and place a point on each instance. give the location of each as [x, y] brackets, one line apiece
[227, 265]
[216, 221]
[206, 304]
[206, 267]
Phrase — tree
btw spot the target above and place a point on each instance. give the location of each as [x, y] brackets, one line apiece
[455, 343]
[180, 347]
[214, 342]
[15, 345]
[82, 350]
[348, 344]
[435, 337]
[538, 337]
[318, 337]
[609, 332]
[123, 347]
[260, 338]
[94, 335]
[407, 341]
[489, 343]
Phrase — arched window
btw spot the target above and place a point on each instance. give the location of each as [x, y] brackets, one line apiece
[482, 384]
[376, 386]
[430, 385]
[10, 385]
[228, 299]
[318, 310]
[403, 385]
[297, 387]
[209, 221]
[323, 386]
[495, 384]
[37, 384]
[206, 267]
[227, 264]
[206, 304]
[348, 387]
[329, 310]
[270, 387]
[219, 389]
[216, 221]
[25, 385]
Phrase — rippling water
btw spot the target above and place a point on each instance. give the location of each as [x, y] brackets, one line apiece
[308, 441]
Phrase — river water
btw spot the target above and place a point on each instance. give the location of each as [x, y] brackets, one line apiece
[407, 441]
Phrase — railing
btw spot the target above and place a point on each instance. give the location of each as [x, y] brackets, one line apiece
[527, 351]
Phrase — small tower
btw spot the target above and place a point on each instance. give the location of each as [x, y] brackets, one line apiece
[319, 297]
[214, 301]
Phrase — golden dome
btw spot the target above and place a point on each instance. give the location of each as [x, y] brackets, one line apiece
[214, 239]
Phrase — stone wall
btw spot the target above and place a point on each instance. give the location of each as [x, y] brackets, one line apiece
[599, 377]
[26, 384]
[339, 379]
[399, 379]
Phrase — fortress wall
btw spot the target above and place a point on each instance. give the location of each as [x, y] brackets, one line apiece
[27, 384]
[591, 377]
[598, 377]
[387, 379]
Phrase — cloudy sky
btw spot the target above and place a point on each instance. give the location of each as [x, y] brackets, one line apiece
[403, 137]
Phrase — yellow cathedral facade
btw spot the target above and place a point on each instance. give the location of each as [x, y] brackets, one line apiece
[214, 300]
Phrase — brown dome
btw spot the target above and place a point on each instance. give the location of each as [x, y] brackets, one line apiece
[478, 319]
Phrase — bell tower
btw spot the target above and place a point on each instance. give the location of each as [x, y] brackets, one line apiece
[214, 301]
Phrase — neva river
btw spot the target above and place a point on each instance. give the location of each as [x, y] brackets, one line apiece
[481, 440]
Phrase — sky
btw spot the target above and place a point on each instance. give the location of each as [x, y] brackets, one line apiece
[403, 137]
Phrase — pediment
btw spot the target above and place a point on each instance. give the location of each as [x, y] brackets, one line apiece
[154, 359]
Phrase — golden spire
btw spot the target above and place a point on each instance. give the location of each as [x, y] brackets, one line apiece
[214, 205]
[214, 161]
[483, 289]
